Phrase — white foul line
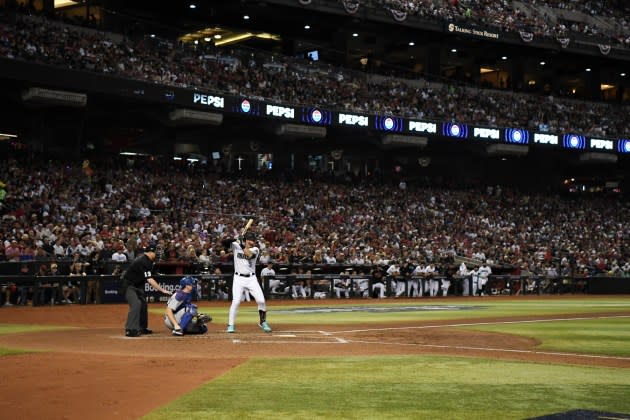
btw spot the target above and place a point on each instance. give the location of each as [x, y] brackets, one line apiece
[469, 324]
[548, 353]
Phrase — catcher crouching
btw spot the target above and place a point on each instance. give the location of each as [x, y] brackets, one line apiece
[181, 315]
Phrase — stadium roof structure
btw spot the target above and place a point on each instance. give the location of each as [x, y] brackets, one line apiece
[134, 116]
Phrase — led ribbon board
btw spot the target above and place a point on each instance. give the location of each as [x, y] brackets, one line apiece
[455, 130]
[516, 136]
[316, 116]
[392, 124]
[573, 141]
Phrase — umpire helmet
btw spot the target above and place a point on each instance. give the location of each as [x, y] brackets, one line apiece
[249, 236]
[187, 281]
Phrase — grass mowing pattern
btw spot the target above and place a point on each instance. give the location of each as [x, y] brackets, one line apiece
[10, 352]
[609, 336]
[401, 387]
[21, 328]
[487, 307]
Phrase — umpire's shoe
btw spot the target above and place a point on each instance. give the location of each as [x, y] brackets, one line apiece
[147, 331]
[132, 333]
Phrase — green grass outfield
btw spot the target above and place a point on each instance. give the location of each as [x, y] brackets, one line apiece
[492, 307]
[401, 387]
[426, 387]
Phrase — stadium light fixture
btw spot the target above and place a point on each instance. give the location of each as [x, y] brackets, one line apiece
[411, 43]
[588, 69]
[355, 34]
[504, 58]
[246, 17]
[307, 27]
[454, 50]
[64, 3]
[243, 36]
[207, 39]
[192, 6]
[542, 63]
[623, 75]
[7, 136]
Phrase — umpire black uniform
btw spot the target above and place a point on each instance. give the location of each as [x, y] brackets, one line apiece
[133, 280]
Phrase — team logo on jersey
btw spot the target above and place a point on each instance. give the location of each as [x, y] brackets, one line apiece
[242, 256]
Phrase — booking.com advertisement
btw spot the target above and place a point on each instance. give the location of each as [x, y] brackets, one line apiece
[111, 290]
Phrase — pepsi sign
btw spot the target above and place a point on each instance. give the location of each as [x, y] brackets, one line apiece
[280, 111]
[210, 100]
[423, 127]
[541, 138]
[486, 133]
[351, 119]
[601, 144]
[316, 116]
[245, 106]
[388, 123]
[573, 141]
[516, 136]
[455, 130]
[623, 146]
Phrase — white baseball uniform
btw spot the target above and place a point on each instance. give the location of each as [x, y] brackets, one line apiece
[430, 271]
[245, 280]
[273, 283]
[484, 272]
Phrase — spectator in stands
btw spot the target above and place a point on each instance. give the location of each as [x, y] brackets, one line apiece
[119, 256]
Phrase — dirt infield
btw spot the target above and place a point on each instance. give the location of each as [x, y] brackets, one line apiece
[93, 370]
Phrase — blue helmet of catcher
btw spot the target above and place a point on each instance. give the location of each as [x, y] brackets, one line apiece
[187, 281]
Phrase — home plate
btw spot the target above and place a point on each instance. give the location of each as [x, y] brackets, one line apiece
[285, 335]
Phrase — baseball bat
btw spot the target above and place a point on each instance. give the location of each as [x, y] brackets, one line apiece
[247, 226]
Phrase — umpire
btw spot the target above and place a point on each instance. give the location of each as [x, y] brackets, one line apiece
[133, 280]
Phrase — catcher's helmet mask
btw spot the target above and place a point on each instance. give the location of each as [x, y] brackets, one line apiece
[187, 281]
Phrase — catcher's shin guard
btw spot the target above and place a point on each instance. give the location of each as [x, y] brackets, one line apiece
[186, 318]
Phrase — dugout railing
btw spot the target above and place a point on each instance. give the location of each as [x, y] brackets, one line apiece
[44, 290]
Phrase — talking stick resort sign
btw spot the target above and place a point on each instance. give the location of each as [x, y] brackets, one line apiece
[466, 30]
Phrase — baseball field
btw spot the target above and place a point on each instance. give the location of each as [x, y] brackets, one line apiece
[449, 358]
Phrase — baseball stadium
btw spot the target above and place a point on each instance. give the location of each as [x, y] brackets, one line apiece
[315, 209]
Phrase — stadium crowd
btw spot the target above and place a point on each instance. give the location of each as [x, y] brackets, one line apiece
[53, 210]
[283, 79]
[507, 17]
